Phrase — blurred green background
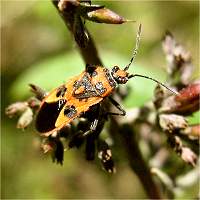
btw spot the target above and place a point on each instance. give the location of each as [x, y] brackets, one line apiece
[36, 47]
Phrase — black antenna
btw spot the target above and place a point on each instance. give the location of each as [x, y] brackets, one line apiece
[136, 47]
[138, 75]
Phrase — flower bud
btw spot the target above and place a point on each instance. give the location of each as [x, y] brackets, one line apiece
[172, 122]
[16, 108]
[188, 94]
[188, 99]
[185, 103]
[105, 15]
[25, 119]
[189, 156]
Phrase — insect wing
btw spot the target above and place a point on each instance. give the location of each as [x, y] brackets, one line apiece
[52, 106]
[47, 116]
[50, 109]
[74, 108]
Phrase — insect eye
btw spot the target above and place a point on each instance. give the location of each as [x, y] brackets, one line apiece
[115, 68]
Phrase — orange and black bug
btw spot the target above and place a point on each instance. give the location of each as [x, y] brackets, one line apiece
[79, 94]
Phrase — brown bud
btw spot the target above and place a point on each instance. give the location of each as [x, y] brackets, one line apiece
[171, 122]
[188, 99]
[189, 94]
[105, 15]
[16, 108]
[25, 119]
[185, 103]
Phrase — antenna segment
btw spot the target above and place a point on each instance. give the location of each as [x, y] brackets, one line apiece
[136, 47]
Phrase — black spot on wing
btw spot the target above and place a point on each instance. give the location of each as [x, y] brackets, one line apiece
[70, 111]
[61, 91]
[47, 116]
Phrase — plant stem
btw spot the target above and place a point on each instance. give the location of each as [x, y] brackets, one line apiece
[127, 137]
[89, 53]
[125, 132]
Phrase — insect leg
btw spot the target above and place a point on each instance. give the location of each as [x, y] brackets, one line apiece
[118, 106]
[78, 138]
[93, 127]
[90, 147]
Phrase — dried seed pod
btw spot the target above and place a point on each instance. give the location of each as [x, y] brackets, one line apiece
[105, 15]
[171, 122]
[16, 108]
[25, 119]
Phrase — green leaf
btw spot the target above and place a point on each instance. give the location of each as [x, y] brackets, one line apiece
[47, 74]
